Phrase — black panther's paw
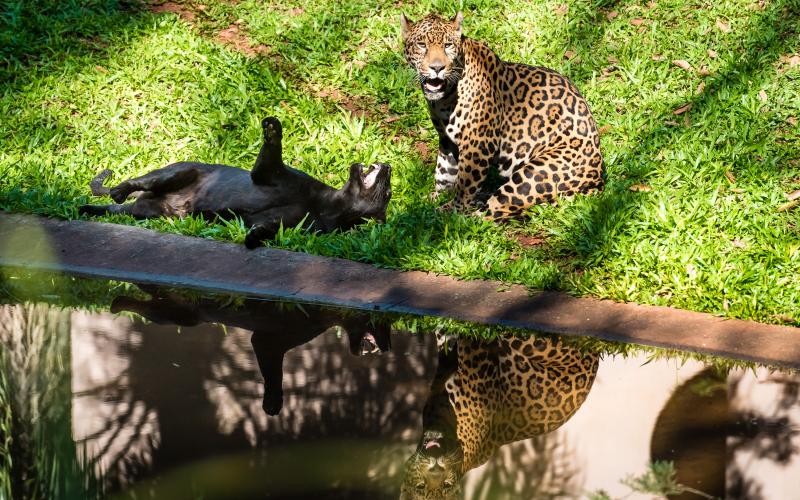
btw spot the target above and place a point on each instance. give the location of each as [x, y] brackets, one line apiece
[91, 210]
[272, 403]
[273, 131]
[255, 237]
[120, 192]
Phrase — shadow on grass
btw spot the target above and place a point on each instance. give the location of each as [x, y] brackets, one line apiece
[770, 33]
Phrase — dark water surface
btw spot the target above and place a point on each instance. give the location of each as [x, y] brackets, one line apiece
[234, 398]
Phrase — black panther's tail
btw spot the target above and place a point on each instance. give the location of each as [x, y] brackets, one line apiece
[98, 189]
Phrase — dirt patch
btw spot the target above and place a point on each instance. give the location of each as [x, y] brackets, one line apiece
[184, 12]
[234, 37]
[360, 106]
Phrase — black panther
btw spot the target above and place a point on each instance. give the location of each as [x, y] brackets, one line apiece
[271, 194]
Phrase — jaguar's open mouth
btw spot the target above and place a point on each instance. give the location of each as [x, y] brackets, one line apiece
[433, 85]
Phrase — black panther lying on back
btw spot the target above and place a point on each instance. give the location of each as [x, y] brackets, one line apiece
[268, 196]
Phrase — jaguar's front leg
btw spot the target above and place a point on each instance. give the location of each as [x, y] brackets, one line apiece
[446, 173]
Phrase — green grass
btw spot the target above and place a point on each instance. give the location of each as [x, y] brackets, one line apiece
[103, 84]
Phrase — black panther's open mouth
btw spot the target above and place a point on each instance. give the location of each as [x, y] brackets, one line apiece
[433, 85]
[369, 176]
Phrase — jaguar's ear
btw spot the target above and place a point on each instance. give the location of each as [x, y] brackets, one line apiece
[406, 25]
[457, 20]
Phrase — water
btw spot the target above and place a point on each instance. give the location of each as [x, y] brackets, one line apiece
[235, 398]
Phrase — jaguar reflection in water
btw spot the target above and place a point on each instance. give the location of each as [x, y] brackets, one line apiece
[156, 410]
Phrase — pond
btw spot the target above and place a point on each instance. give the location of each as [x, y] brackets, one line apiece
[160, 393]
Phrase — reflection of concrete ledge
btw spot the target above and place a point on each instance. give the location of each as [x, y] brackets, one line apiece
[128, 253]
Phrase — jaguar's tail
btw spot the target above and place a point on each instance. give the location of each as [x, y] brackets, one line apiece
[98, 189]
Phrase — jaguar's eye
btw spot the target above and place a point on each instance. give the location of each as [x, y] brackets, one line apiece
[449, 45]
[448, 483]
[421, 45]
[420, 486]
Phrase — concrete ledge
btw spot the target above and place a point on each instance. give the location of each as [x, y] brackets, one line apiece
[125, 253]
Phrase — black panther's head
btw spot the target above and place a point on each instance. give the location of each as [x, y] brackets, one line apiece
[365, 195]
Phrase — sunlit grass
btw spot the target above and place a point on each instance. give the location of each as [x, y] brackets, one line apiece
[102, 84]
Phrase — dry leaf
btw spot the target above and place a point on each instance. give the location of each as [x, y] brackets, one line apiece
[783, 318]
[637, 21]
[788, 206]
[101, 69]
[657, 57]
[682, 64]
[640, 188]
[737, 243]
[731, 178]
[737, 190]
[794, 195]
[792, 121]
[672, 123]
[611, 15]
[297, 11]
[700, 88]
[683, 109]
[613, 60]
[651, 4]
[391, 119]
[569, 54]
[562, 9]
[422, 148]
[723, 26]
[604, 129]
[642, 29]
[712, 54]
[703, 71]
[762, 95]
[529, 241]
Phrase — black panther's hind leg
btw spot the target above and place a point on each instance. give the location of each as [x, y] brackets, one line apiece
[270, 158]
[159, 181]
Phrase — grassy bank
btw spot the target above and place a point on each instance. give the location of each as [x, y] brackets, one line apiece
[690, 214]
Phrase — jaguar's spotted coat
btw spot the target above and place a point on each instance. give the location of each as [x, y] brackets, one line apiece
[487, 394]
[531, 122]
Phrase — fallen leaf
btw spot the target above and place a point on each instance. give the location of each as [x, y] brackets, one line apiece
[793, 195]
[792, 121]
[651, 4]
[731, 178]
[562, 9]
[569, 54]
[611, 15]
[637, 21]
[641, 29]
[297, 11]
[392, 119]
[703, 71]
[683, 109]
[640, 188]
[613, 60]
[762, 95]
[737, 190]
[783, 318]
[101, 69]
[700, 88]
[682, 64]
[657, 57]
[788, 206]
[712, 54]
[723, 26]
[672, 123]
[526, 241]
[604, 129]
